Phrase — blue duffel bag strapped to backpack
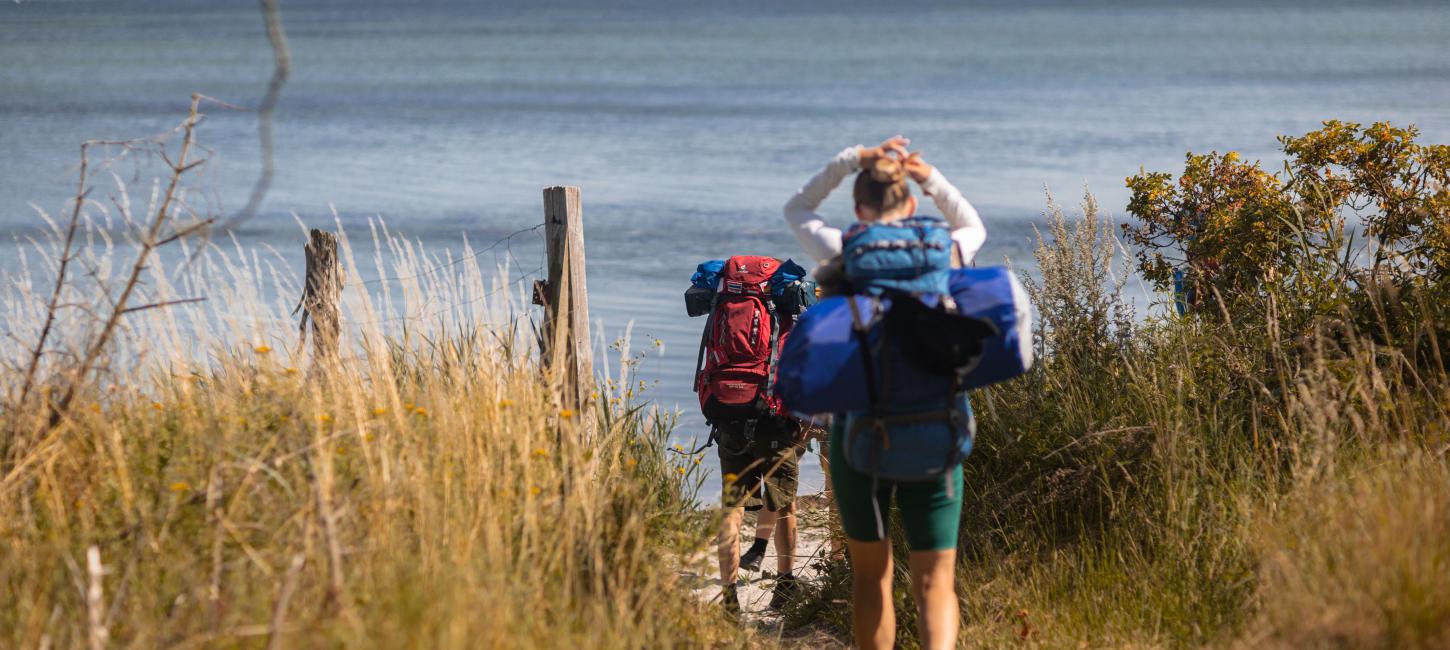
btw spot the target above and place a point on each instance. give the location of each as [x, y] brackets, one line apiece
[909, 342]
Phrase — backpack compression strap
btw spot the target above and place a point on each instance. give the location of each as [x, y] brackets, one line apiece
[862, 329]
[705, 338]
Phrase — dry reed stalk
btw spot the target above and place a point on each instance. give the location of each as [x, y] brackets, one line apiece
[279, 610]
[97, 635]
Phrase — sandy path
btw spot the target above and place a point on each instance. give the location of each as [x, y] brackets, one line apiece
[755, 587]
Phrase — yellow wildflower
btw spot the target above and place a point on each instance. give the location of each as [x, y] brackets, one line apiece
[534, 490]
[342, 450]
[380, 411]
[262, 349]
[697, 461]
[324, 418]
[730, 478]
[96, 408]
[679, 448]
[681, 470]
[290, 370]
[566, 413]
[541, 452]
[407, 406]
[180, 486]
[505, 403]
[368, 437]
[421, 412]
[631, 462]
[158, 406]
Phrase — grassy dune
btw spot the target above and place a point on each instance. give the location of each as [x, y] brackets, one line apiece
[213, 486]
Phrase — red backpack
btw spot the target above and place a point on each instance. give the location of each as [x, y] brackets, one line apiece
[741, 344]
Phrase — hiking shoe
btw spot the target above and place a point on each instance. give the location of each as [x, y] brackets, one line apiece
[731, 599]
[787, 589]
[750, 561]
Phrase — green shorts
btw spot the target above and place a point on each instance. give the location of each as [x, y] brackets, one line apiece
[763, 470]
[931, 511]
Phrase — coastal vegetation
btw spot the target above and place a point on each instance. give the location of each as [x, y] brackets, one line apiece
[180, 472]
[1268, 468]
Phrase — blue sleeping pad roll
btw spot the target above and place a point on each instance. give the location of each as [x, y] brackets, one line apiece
[994, 294]
[821, 371]
[820, 367]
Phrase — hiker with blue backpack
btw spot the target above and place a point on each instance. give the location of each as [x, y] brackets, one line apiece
[891, 356]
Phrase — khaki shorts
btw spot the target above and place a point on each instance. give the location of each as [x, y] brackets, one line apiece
[762, 469]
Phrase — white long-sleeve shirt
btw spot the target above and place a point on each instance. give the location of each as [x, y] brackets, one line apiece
[822, 241]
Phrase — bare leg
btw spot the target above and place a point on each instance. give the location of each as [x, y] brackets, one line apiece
[932, 579]
[873, 621]
[785, 531]
[764, 524]
[832, 537]
[730, 546]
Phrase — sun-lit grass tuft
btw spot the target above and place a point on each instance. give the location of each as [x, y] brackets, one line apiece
[212, 485]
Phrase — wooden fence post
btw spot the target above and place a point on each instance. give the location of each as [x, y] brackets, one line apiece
[566, 342]
[321, 295]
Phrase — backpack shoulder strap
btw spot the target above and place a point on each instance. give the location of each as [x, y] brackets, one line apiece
[861, 327]
[774, 347]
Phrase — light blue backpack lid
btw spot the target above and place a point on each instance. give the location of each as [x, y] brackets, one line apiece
[912, 255]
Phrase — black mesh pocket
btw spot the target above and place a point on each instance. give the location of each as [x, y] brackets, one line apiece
[698, 300]
[935, 340]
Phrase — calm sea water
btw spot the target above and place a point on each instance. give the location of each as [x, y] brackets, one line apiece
[688, 127]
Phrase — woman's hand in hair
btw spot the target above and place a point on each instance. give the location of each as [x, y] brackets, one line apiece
[893, 145]
[919, 170]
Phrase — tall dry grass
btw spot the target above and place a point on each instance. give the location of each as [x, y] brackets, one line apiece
[1182, 482]
[213, 486]
[1190, 482]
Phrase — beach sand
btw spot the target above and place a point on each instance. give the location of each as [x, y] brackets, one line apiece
[755, 587]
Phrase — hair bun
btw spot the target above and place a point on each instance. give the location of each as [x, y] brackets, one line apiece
[888, 170]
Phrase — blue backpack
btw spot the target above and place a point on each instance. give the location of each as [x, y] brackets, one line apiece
[907, 349]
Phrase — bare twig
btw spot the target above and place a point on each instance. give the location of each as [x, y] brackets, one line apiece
[60, 277]
[164, 303]
[97, 345]
[282, 68]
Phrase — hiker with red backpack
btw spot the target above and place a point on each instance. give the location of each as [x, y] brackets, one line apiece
[751, 303]
[765, 520]
[891, 355]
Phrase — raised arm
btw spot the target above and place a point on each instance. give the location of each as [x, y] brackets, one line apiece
[968, 231]
[820, 240]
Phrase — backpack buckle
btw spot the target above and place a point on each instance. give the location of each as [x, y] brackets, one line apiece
[878, 424]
